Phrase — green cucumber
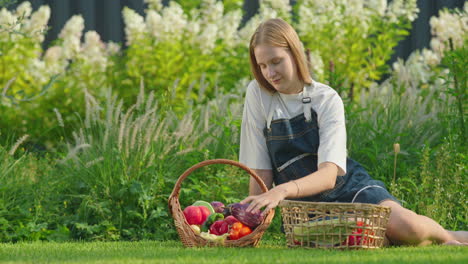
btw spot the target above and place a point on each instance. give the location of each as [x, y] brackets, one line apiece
[322, 232]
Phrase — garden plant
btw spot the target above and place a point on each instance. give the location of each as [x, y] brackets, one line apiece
[94, 135]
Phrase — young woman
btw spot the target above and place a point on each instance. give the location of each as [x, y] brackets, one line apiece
[293, 135]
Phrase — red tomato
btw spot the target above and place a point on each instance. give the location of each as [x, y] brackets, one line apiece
[239, 230]
[196, 215]
[245, 231]
[205, 213]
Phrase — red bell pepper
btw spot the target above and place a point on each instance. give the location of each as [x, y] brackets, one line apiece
[230, 220]
[219, 227]
[359, 236]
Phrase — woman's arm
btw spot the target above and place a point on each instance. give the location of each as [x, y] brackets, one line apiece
[321, 180]
[266, 176]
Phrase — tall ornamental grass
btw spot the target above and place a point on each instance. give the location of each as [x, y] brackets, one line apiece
[123, 163]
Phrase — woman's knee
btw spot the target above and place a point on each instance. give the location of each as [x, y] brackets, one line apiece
[403, 226]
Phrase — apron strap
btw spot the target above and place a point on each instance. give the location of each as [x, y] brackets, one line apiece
[271, 109]
[306, 101]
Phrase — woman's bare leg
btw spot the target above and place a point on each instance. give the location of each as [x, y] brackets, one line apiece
[408, 228]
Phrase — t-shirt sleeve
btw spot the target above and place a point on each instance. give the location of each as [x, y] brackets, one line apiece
[253, 150]
[332, 132]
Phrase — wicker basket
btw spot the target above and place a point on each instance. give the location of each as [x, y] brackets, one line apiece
[334, 225]
[188, 237]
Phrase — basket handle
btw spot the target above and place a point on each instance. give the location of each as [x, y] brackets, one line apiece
[176, 190]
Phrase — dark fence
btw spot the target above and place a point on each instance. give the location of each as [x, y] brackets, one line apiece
[104, 16]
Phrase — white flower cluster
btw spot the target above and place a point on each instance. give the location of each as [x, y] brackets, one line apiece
[24, 10]
[449, 26]
[354, 8]
[8, 23]
[93, 52]
[207, 39]
[402, 9]
[174, 22]
[417, 68]
[54, 61]
[211, 12]
[202, 28]
[268, 9]
[37, 69]
[23, 20]
[134, 25]
[154, 4]
[379, 6]
[168, 24]
[414, 71]
[316, 65]
[209, 22]
[276, 8]
[21, 24]
[37, 24]
[231, 22]
[246, 32]
[153, 22]
[71, 35]
[320, 12]
[314, 15]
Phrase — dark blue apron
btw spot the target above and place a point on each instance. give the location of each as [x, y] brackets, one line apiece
[293, 146]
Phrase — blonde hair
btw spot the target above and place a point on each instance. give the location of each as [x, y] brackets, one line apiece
[278, 33]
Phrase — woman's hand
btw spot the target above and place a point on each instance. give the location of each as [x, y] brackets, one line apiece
[269, 199]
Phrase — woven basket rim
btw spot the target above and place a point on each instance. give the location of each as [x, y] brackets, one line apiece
[331, 204]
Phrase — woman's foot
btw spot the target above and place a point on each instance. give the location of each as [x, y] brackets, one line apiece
[460, 236]
[454, 243]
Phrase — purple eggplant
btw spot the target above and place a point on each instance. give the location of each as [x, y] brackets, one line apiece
[218, 206]
[227, 211]
[250, 219]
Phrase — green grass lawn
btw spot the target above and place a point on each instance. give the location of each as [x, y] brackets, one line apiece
[174, 252]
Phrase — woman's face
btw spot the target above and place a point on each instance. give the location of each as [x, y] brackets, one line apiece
[278, 68]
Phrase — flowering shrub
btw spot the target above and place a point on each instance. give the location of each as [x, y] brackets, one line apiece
[21, 35]
[35, 81]
[182, 56]
[354, 39]
[449, 26]
[422, 68]
[187, 6]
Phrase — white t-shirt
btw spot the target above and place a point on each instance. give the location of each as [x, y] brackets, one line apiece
[330, 116]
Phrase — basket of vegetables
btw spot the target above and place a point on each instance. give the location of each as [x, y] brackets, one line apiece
[214, 224]
[334, 225]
